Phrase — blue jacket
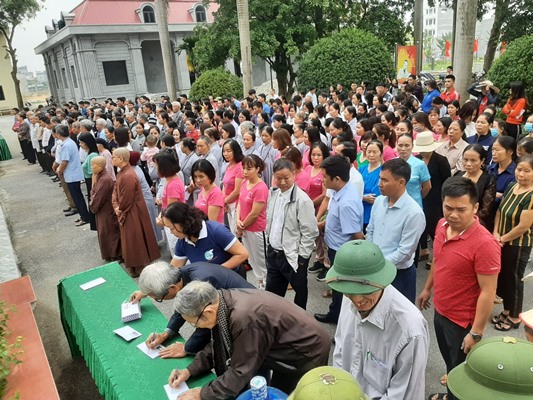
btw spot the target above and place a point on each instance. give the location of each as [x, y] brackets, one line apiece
[426, 103]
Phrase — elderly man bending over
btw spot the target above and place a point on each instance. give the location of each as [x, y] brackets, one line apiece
[253, 332]
[161, 282]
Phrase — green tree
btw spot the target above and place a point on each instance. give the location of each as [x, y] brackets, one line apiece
[216, 82]
[283, 30]
[12, 14]
[514, 65]
[350, 55]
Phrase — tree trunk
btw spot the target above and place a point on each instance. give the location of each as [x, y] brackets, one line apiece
[14, 65]
[464, 46]
[161, 16]
[419, 33]
[454, 27]
[243, 18]
[499, 17]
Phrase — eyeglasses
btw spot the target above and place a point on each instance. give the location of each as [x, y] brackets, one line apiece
[195, 325]
[162, 297]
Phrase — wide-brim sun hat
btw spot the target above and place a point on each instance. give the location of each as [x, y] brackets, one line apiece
[360, 268]
[327, 383]
[527, 318]
[425, 143]
[497, 368]
[484, 84]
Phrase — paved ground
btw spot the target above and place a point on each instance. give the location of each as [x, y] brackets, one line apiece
[49, 247]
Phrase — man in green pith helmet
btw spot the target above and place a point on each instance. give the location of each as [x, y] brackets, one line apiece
[497, 368]
[382, 339]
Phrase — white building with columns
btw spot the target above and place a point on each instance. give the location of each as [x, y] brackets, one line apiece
[110, 48]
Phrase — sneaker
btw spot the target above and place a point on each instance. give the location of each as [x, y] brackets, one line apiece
[316, 268]
[321, 277]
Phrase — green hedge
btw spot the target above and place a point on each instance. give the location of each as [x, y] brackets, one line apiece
[350, 55]
[516, 64]
[216, 82]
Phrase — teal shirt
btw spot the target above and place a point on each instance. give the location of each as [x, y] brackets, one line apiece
[86, 166]
[419, 175]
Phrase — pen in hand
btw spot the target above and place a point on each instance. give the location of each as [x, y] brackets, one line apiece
[153, 338]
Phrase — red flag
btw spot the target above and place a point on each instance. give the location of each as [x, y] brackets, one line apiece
[476, 46]
[448, 48]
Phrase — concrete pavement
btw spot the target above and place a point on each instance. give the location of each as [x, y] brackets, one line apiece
[49, 247]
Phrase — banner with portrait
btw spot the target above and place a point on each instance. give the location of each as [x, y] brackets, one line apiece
[405, 62]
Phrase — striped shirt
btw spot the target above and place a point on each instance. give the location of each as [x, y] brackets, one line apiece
[511, 208]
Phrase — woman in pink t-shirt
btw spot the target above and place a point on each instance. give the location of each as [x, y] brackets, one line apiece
[232, 154]
[302, 179]
[210, 200]
[388, 137]
[317, 192]
[168, 167]
[251, 215]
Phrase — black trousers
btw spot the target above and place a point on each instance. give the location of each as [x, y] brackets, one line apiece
[92, 218]
[510, 284]
[514, 130]
[27, 151]
[450, 339]
[336, 297]
[280, 273]
[77, 196]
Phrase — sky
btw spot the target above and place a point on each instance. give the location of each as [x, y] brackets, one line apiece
[31, 33]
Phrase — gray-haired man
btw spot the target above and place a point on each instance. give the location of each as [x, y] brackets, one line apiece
[161, 281]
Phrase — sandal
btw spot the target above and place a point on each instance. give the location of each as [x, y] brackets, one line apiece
[444, 380]
[438, 396]
[498, 300]
[498, 319]
[81, 223]
[507, 325]
[326, 294]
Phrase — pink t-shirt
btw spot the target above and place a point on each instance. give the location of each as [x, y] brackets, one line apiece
[303, 180]
[174, 189]
[247, 198]
[305, 158]
[389, 153]
[232, 172]
[213, 198]
[316, 184]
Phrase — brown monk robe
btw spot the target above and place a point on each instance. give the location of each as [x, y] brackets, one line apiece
[139, 246]
[102, 207]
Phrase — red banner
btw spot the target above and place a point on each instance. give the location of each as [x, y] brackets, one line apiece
[476, 46]
[448, 49]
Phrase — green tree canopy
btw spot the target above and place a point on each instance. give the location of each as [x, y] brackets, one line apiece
[350, 55]
[216, 82]
[514, 65]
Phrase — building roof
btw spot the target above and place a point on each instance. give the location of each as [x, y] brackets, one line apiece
[117, 12]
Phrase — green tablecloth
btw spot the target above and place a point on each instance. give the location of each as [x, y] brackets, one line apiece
[120, 370]
[5, 154]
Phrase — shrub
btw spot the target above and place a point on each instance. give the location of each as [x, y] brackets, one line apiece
[216, 82]
[350, 55]
[514, 65]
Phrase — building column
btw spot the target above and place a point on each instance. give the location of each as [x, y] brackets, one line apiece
[81, 85]
[91, 76]
[138, 65]
[182, 71]
[49, 74]
[61, 97]
[67, 74]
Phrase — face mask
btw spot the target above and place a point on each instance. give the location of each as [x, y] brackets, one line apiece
[529, 127]
[494, 132]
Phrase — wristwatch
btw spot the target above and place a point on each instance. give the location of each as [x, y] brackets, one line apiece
[476, 336]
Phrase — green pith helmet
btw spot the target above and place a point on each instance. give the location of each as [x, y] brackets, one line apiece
[360, 268]
[327, 383]
[497, 368]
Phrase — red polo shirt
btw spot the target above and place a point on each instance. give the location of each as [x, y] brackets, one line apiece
[458, 261]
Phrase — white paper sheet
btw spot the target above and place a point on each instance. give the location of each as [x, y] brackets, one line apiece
[172, 393]
[149, 352]
[127, 333]
[93, 283]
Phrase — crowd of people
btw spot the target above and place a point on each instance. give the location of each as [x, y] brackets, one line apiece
[361, 178]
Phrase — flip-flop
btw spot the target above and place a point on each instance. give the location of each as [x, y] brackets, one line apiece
[444, 380]
[81, 223]
[438, 396]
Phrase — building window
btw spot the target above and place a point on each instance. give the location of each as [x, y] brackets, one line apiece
[2, 96]
[115, 73]
[200, 14]
[73, 73]
[64, 74]
[148, 15]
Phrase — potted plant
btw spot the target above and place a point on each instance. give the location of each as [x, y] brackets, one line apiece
[9, 353]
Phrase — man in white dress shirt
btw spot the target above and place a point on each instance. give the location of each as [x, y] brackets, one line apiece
[382, 339]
